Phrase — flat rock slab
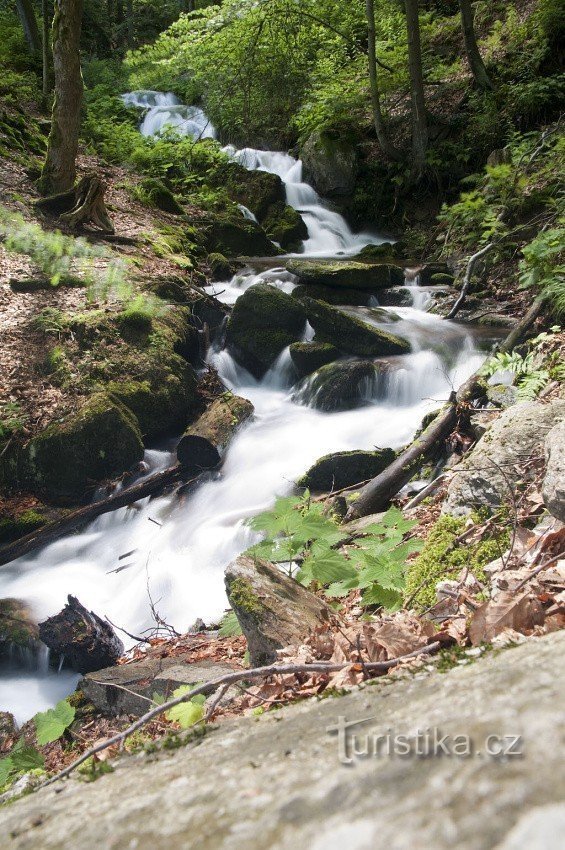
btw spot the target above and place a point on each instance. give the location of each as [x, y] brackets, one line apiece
[276, 782]
[128, 688]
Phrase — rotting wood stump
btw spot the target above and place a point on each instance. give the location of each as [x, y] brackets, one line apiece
[87, 642]
[80, 205]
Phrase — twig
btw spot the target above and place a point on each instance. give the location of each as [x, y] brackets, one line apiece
[467, 279]
[230, 679]
[539, 569]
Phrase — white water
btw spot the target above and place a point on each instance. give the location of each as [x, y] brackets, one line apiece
[181, 557]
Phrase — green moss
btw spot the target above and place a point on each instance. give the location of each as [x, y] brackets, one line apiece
[160, 406]
[14, 527]
[153, 192]
[442, 558]
[242, 597]
[285, 225]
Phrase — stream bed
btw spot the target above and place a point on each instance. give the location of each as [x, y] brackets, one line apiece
[181, 546]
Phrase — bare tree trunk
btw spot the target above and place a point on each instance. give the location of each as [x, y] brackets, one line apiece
[28, 20]
[474, 57]
[419, 124]
[59, 171]
[378, 120]
[45, 46]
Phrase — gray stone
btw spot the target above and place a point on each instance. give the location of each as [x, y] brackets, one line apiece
[346, 274]
[343, 385]
[273, 610]
[129, 688]
[553, 489]
[502, 395]
[350, 333]
[345, 469]
[488, 475]
[330, 164]
[276, 781]
[309, 356]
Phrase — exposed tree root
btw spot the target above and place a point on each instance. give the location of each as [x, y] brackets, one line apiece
[81, 205]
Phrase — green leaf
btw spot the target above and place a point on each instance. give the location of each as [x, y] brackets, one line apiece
[186, 714]
[387, 572]
[6, 770]
[377, 595]
[329, 566]
[51, 724]
[229, 627]
[26, 758]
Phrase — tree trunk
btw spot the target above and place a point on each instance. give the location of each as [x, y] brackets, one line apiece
[59, 171]
[130, 23]
[86, 641]
[419, 124]
[45, 47]
[26, 14]
[378, 120]
[474, 57]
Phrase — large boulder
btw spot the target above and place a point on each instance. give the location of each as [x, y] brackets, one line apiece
[332, 295]
[347, 274]
[309, 356]
[101, 440]
[553, 489]
[349, 333]
[330, 163]
[256, 190]
[285, 225]
[218, 424]
[345, 469]
[343, 385]
[488, 475]
[273, 610]
[236, 236]
[263, 322]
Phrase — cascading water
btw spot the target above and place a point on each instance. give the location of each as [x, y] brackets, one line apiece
[181, 545]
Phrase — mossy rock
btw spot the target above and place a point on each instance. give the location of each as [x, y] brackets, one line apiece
[235, 236]
[159, 196]
[345, 469]
[442, 279]
[346, 273]
[17, 627]
[220, 267]
[330, 163]
[435, 274]
[18, 525]
[331, 295]
[256, 190]
[161, 407]
[384, 251]
[102, 440]
[338, 386]
[349, 333]
[263, 321]
[309, 356]
[285, 225]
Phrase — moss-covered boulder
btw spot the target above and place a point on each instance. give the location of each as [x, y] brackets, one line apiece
[220, 267]
[343, 385]
[236, 236]
[346, 273]
[309, 356]
[256, 190]
[349, 333]
[101, 440]
[330, 163]
[159, 196]
[436, 274]
[332, 295]
[263, 321]
[285, 225]
[218, 424]
[18, 629]
[345, 469]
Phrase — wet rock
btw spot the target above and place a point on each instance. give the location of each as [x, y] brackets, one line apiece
[238, 237]
[330, 163]
[285, 225]
[100, 441]
[331, 295]
[345, 469]
[217, 425]
[396, 296]
[129, 688]
[428, 275]
[343, 385]
[220, 267]
[256, 190]
[18, 628]
[82, 637]
[346, 273]
[273, 609]
[263, 322]
[309, 356]
[349, 333]
[553, 489]
[489, 473]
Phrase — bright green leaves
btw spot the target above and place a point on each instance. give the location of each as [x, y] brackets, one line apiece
[21, 760]
[186, 714]
[300, 534]
[229, 627]
[51, 724]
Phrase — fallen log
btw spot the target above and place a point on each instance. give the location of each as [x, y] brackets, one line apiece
[204, 442]
[378, 493]
[151, 486]
[82, 637]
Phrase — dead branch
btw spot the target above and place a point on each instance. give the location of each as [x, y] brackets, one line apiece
[467, 279]
[230, 679]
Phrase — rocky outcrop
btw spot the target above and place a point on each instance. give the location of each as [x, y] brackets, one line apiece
[330, 163]
[309, 356]
[82, 637]
[278, 781]
[345, 469]
[129, 688]
[349, 333]
[343, 385]
[285, 225]
[488, 475]
[553, 489]
[273, 609]
[264, 320]
[346, 273]
[218, 424]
